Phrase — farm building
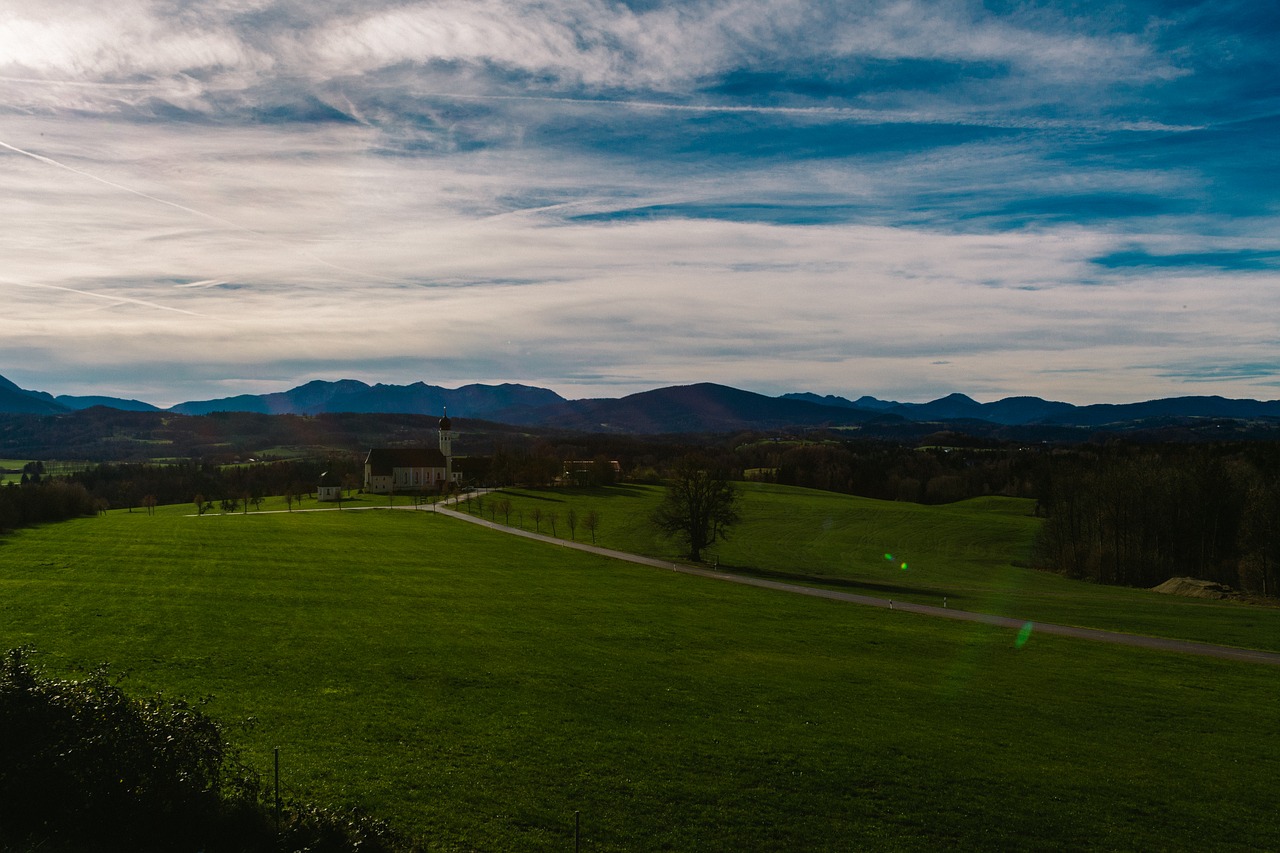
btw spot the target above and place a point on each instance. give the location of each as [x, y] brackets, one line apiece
[412, 469]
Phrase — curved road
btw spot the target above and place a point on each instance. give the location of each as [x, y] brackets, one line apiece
[1159, 643]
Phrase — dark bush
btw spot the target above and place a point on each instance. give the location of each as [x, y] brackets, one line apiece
[82, 763]
[83, 766]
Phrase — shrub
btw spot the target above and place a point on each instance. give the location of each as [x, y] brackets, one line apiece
[83, 766]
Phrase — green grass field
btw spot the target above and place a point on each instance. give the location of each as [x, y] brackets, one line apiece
[973, 554]
[11, 469]
[477, 689]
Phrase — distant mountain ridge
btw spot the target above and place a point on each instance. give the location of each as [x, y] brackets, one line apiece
[350, 395]
[1011, 411]
[1021, 411]
[19, 400]
[703, 407]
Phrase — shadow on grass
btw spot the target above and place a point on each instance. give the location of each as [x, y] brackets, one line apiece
[874, 587]
[625, 490]
[538, 495]
[620, 490]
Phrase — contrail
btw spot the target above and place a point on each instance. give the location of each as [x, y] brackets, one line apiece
[115, 299]
[850, 113]
[52, 162]
[185, 209]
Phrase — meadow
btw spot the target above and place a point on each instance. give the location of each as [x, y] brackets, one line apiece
[478, 689]
[973, 554]
[11, 469]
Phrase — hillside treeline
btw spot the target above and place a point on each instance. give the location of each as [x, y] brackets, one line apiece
[123, 486]
[895, 472]
[1136, 516]
[109, 435]
[43, 501]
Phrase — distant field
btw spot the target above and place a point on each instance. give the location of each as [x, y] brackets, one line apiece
[972, 554]
[11, 469]
[478, 689]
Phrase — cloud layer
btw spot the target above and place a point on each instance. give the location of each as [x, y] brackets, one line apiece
[901, 198]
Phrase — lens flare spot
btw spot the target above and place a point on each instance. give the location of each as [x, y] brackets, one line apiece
[1024, 634]
[889, 557]
[904, 567]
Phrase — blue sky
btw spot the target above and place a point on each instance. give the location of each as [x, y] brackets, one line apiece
[1078, 201]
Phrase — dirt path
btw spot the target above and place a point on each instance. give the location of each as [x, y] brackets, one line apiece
[1116, 637]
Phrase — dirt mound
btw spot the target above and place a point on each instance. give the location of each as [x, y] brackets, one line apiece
[1196, 588]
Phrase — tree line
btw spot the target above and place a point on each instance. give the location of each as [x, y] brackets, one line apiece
[128, 486]
[44, 498]
[1138, 515]
[944, 472]
[43, 501]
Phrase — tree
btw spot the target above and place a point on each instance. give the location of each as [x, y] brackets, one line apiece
[602, 473]
[700, 504]
[592, 523]
[537, 518]
[571, 519]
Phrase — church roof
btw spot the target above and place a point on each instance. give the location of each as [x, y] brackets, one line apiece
[383, 460]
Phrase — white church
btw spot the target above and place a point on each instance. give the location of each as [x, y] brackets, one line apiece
[412, 469]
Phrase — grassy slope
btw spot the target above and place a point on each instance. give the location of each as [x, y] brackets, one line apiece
[965, 552]
[479, 689]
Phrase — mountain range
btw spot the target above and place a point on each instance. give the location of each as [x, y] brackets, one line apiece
[704, 407]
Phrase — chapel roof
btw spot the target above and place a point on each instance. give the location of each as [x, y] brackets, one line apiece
[383, 460]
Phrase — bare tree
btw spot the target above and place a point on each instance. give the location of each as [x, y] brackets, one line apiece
[701, 503]
[571, 519]
[536, 512]
[592, 522]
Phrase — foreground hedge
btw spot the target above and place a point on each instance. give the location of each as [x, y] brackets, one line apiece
[83, 766]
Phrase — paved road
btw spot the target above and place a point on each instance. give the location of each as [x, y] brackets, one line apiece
[1160, 643]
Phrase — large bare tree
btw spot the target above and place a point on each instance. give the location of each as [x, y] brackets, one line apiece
[700, 504]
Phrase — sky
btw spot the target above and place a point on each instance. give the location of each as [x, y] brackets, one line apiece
[1072, 200]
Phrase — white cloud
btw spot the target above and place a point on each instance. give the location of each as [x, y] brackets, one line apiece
[217, 56]
[438, 235]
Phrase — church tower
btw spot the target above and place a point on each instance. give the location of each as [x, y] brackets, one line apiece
[447, 435]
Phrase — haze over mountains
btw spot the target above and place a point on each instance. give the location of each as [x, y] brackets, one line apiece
[704, 407]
